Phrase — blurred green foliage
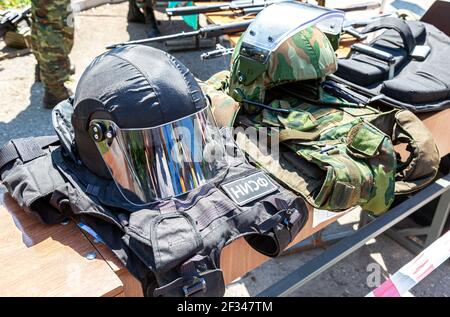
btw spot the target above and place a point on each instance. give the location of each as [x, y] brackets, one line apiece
[6, 4]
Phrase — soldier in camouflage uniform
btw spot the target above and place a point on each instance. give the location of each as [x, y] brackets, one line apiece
[52, 39]
[141, 11]
[335, 153]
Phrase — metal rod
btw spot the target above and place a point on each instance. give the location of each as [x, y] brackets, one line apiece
[409, 244]
[209, 31]
[439, 219]
[423, 231]
[348, 245]
[163, 38]
[317, 242]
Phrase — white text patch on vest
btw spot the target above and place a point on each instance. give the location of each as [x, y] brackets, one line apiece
[250, 188]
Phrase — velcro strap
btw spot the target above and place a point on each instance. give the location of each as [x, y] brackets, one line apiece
[92, 189]
[289, 218]
[45, 141]
[206, 284]
[272, 222]
[291, 134]
[210, 213]
[8, 153]
[282, 216]
[189, 268]
[409, 42]
[344, 196]
[27, 149]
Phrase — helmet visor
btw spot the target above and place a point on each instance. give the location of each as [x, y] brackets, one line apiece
[273, 25]
[160, 162]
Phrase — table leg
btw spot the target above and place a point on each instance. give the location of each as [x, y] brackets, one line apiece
[439, 219]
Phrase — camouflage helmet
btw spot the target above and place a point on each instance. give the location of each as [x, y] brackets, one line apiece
[275, 51]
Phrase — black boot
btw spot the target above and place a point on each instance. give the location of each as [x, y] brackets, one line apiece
[37, 74]
[150, 21]
[55, 96]
[134, 14]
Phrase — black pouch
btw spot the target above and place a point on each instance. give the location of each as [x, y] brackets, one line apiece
[27, 171]
[276, 232]
[206, 284]
[172, 236]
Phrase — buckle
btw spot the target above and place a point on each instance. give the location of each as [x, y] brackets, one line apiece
[199, 284]
[291, 218]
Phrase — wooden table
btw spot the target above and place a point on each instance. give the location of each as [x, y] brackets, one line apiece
[49, 260]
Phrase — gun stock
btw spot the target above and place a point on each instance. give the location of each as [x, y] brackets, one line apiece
[9, 19]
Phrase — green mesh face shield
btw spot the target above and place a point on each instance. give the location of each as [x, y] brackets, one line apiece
[285, 43]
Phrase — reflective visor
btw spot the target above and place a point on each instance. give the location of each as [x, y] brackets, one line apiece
[165, 161]
[273, 25]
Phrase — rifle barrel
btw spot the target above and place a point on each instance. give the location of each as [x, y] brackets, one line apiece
[177, 11]
[205, 32]
[360, 6]
[157, 39]
[228, 28]
[240, 12]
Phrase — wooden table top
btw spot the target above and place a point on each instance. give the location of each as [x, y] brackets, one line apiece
[49, 260]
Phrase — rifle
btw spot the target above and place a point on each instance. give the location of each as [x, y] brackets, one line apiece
[209, 31]
[360, 6]
[10, 19]
[356, 23]
[245, 12]
[347, 27]
[350, 26]
[236, 5]
[241, 7]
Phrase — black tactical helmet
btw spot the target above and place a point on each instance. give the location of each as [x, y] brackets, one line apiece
[139, 114]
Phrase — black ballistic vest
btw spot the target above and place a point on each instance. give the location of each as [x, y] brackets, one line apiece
[173, 247]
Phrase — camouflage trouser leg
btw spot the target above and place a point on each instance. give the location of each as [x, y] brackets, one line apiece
[52, 41]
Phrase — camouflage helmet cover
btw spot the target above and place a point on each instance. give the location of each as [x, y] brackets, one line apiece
[301, 55]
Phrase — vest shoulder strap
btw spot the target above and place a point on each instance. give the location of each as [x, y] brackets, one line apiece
[26, 149]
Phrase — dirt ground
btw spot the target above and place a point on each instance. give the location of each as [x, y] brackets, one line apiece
[21, 115]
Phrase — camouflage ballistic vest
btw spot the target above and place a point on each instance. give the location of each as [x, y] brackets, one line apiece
[172, 246]
[334, 156]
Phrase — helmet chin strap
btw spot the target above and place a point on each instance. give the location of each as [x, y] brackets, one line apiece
[318, 101]
[290, 92]
[261, 105]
